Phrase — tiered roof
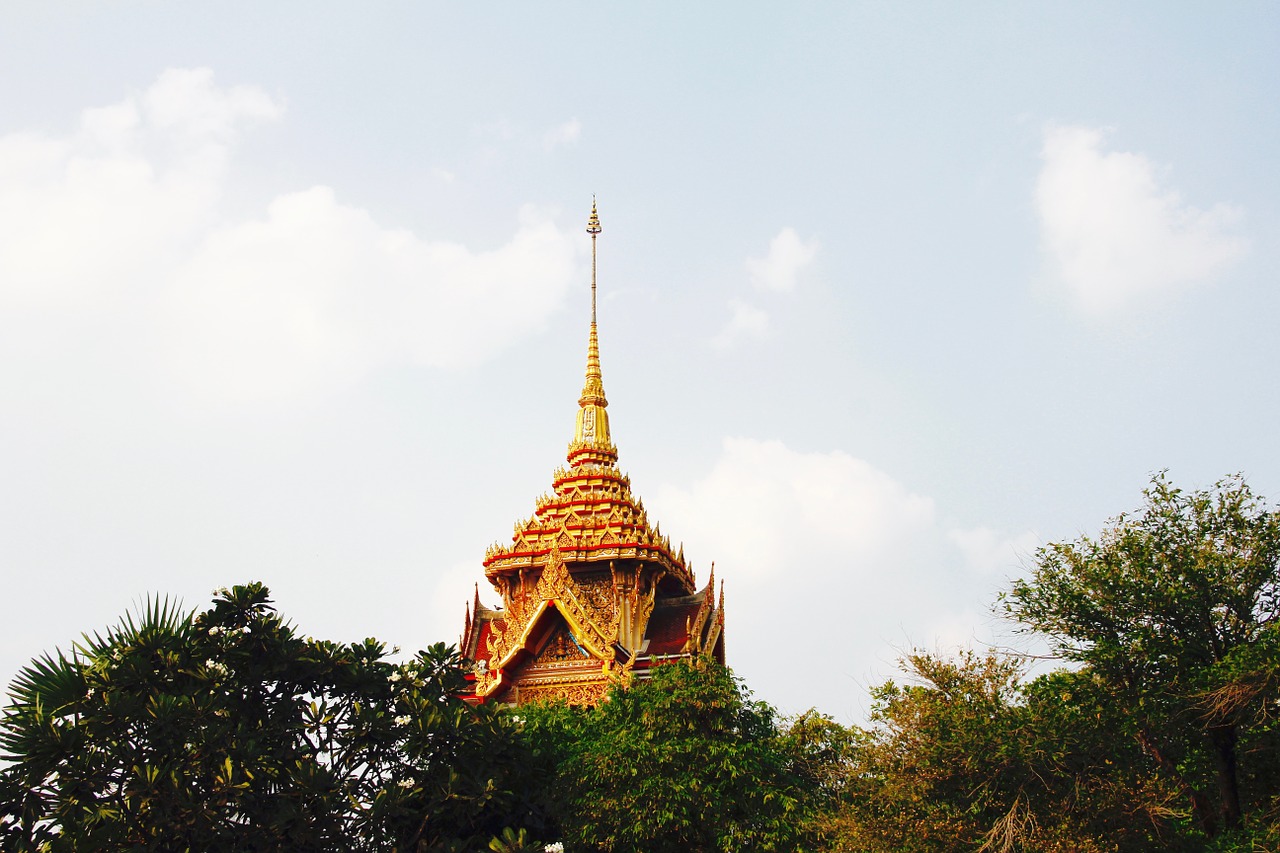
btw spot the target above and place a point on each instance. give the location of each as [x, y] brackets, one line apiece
[591, 514]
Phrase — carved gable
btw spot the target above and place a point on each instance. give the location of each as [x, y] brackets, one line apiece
[560, 647]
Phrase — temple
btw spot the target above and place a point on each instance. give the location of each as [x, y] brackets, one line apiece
[592, 594]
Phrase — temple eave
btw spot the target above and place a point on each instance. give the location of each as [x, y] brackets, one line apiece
[503, 561]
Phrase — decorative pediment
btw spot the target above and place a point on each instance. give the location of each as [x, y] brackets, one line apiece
[560, 647]
[555, 578]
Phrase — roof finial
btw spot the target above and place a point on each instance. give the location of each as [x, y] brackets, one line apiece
[594, 391]
[593, 228]
[591, 442]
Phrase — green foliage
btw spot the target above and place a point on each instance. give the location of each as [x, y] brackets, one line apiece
[685, 761]
[226, 730]
[514, 841]
[1173, 610]
[1161, 736]
[968, 757]
[940, 768]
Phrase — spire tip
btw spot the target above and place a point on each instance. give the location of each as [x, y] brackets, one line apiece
[593, 224]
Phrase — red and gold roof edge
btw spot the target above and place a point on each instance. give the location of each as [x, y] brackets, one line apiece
[592, 516]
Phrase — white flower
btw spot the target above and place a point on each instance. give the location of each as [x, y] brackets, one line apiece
[245, 630]
[89, 695]
[215, 666]
[405, 783]
[555, 847]
[404, 720]
[395, 676]
[215, 630]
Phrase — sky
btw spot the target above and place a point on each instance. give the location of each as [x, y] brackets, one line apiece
[891, 295]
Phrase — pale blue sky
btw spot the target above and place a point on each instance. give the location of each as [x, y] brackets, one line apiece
[315, 315]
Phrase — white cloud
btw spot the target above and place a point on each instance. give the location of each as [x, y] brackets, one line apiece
[318, 290]
[988, 552]
[832, 568]
[777, 272]
[761, 496]
[788, 255]
[562, 134]
[92, 212]
[1113, 234]
[746, 321]
[120, 222]
[187, 101]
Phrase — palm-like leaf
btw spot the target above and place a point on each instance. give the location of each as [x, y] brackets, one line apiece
[226, 730]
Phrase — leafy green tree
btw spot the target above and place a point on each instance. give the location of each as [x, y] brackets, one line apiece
[228, 731]
[684, 761]
[1173, 611]
[822, 756]
[966, 756]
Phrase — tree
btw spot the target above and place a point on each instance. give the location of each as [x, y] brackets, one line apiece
[227, 730]
[1173, 611]
[822, 756]
[684, 761]
[966, 756]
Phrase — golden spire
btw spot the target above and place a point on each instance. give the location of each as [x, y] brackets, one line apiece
[591, 442]
[593, 228]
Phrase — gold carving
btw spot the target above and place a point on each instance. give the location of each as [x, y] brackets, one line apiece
[560, 648]
[572, 694]
[600, 603]
[555, 578]
[643, 611]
